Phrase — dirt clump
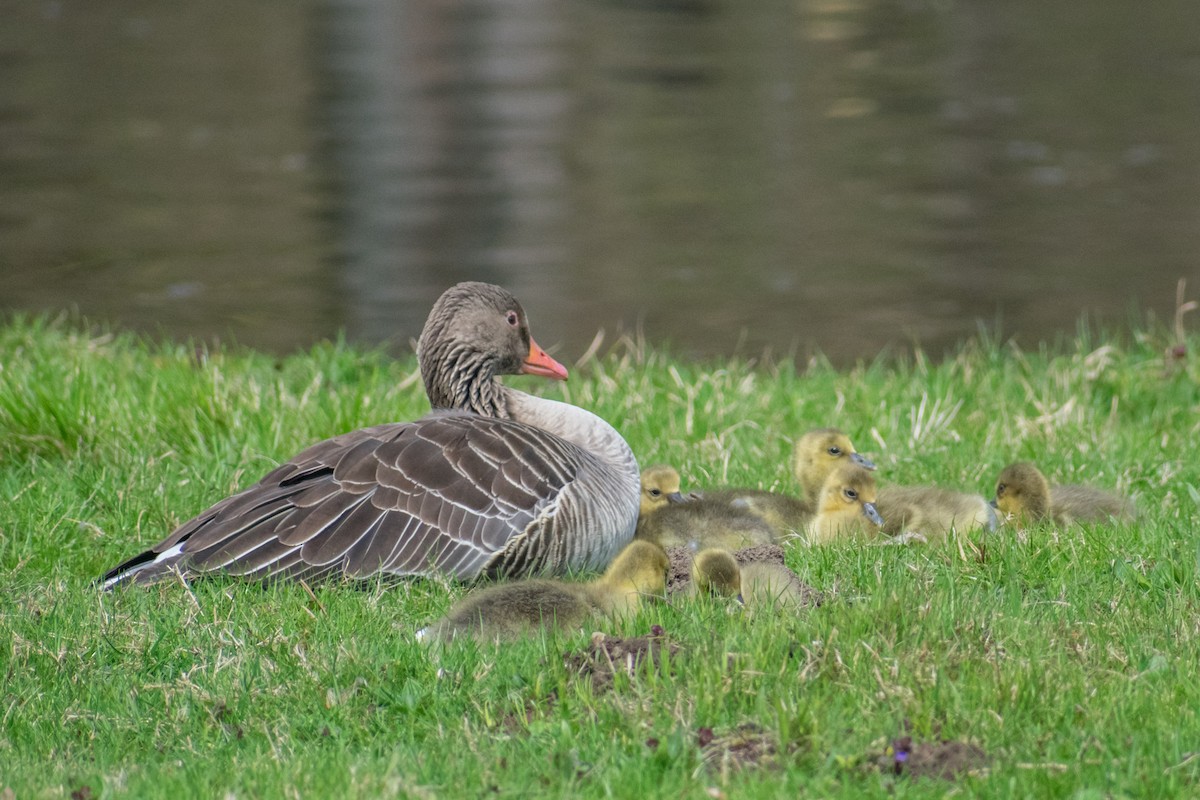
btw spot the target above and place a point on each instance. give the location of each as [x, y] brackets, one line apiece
[605, 656]
[948, 759]
[748, 746]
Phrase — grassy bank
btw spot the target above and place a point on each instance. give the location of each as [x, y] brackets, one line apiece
[1070, 659]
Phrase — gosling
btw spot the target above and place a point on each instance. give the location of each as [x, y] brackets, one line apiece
[737, 518]
[510, 610]
[846, 507]
[757, 584]
[1024, 495]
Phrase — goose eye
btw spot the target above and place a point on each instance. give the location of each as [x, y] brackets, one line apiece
[835, 451]
[655, 492]
[1000, 488]
[512, 318]
[851, 494]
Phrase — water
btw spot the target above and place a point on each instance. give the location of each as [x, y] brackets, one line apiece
[834, 175]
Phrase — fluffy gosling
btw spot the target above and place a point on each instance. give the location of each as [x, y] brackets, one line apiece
[1024, 495]
[509, 610]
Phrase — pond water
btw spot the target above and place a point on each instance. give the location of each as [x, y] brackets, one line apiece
[833, 175]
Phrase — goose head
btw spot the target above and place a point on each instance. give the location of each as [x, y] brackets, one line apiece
[639, 569]
[848, 498]
[1022, 492]
[818, 453]
[660, 486]
[475, 332]
[716, 571]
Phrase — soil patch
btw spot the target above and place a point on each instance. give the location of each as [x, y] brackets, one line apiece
[947, 759]
[606, 656]
[748, 746]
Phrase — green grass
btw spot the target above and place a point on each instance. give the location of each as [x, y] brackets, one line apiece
[1072, 657]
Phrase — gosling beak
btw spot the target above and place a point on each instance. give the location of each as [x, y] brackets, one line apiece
[993, 503]
[740, 600]
[870, 513]
[539, 363]
[862, 461]
[676, 497]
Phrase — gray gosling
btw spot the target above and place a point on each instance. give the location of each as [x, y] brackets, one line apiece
[1024, 495]
[846, 507]
[510, 610]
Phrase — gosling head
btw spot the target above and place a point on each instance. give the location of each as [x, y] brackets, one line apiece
[849, 494]
[716, 571]
[660, 485]
[819, 452]
[1022, 492]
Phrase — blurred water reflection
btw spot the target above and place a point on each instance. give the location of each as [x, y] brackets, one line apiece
[832, 174]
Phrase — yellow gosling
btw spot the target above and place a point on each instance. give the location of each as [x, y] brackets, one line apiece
[846, 507]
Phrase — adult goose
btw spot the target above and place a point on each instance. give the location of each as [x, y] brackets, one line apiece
[493, 482]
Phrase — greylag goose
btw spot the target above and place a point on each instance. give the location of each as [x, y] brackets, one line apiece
[1024, 494]
[492, 482]
[928, 513]
[758, 584]
[845, 507]
[508, 610]
[816, 454]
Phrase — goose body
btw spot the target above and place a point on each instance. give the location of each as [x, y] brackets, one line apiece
[1024, 494]
[931, 512]
[492, 482]
[509, 610]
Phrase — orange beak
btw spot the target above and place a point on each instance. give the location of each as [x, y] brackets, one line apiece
[538, 363]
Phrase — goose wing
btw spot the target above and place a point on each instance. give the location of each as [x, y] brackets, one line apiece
[447, 493]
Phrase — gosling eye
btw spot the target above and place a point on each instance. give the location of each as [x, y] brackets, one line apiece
[655, 492]
[835, 451]
[1000, 488]
[850, 494]
[512, 318]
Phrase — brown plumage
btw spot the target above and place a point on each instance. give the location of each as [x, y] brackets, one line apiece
[1024, 494]
[492, 482]
[510, 610]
